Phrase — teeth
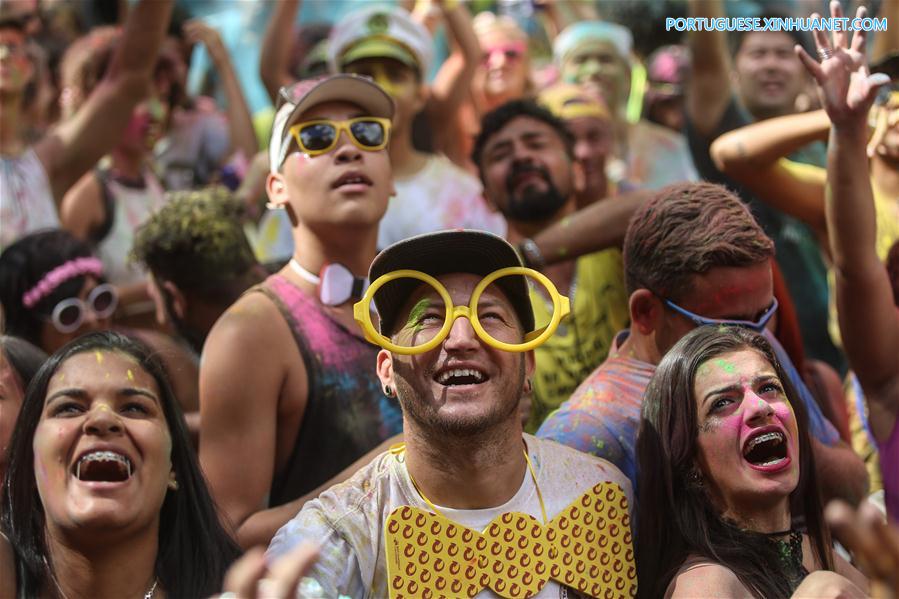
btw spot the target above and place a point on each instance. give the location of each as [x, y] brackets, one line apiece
[103, 456]
[460, 372]
[772, 436]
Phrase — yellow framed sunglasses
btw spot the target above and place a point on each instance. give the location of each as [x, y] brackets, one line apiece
[369, 133]
[433, 335]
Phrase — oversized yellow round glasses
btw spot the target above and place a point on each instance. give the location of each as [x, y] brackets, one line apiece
[429, 323]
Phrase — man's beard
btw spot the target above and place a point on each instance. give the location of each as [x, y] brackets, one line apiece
[416, 403]
[194, 337]
[532, 204]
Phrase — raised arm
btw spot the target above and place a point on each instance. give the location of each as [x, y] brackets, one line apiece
[708, 87]
[599, 226]
[869, 320]
[453, 81]
[276, 46]
[240, 124]
[78, 143]
[752, 155]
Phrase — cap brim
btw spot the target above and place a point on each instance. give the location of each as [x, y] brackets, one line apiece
[456, 251]
[354, 89]
[379, 48]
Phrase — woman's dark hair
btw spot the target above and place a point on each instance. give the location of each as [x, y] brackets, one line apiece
[194, 549]
[22, 266]
[675, 516]
[24, 357]
[892, 264]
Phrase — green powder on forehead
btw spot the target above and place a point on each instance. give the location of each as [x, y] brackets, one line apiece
[725, 366]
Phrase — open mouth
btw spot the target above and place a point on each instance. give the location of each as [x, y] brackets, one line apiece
[351, 179]
[766, 449]
[455, 377]
[103, 466]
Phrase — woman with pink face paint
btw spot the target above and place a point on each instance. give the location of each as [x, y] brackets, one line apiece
[729, 504]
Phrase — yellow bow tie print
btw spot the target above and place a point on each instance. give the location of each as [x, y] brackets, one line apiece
[587, 547]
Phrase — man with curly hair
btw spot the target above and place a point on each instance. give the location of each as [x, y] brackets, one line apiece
[199, 259]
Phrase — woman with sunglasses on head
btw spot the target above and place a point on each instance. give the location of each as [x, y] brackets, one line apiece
[103, 496]
[53, 289]
[729, 500]
[503, 74]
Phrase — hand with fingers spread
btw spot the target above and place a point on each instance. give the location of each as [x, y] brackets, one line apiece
[873, 543]
[845, 86]
[251, 578]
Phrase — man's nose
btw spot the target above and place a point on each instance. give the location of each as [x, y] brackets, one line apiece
[346, 150]
[461, 336]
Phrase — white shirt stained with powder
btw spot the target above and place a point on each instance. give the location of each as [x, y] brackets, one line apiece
[347, 520]
[440, 196]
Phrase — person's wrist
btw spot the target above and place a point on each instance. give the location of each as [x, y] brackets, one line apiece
[531, 254]
[851, 128]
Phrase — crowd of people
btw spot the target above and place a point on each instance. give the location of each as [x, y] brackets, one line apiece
[495, 299]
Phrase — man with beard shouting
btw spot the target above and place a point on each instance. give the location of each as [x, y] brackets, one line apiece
[525, 157]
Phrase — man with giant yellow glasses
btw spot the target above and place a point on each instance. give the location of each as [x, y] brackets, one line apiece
[456, 327]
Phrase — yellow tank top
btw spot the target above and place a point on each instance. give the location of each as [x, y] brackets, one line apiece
[598, 311]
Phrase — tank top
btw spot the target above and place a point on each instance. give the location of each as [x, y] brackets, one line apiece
[889, 468]
[26, 199]
[128, 206]
[347, 413]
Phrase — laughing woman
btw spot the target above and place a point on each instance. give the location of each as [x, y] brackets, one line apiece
[103, 496]
[729, 504]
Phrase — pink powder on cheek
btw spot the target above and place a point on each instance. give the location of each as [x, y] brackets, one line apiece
[784, 412]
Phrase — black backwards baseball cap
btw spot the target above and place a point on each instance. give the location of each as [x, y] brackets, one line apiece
[445, 252]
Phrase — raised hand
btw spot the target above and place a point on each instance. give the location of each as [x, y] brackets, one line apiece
[845, 86]
[873, 543]
[250, 577]
[196, 31]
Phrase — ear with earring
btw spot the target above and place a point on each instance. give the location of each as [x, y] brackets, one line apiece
[173, 482]
[388, 391]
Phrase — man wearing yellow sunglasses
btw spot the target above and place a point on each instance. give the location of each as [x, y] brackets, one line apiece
[287, 381]
[466, 463]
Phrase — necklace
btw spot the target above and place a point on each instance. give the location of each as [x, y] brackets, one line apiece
[303, 273]
[148, 595]
[401, 447]
[790, 554]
